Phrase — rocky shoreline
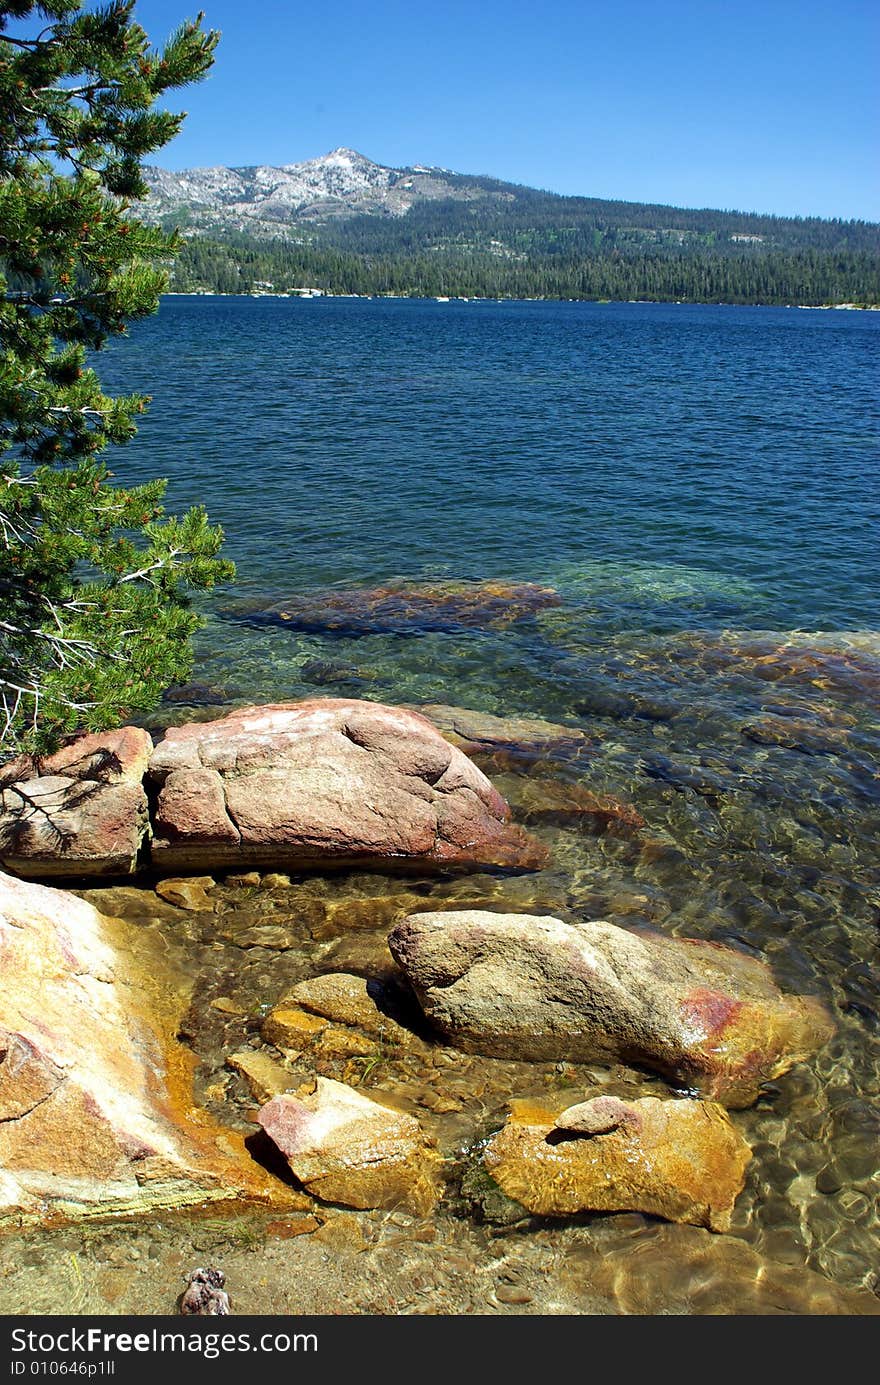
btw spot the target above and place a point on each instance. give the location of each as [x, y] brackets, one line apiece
[91, 1028]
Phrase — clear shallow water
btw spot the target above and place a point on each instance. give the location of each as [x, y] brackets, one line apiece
[700, 487]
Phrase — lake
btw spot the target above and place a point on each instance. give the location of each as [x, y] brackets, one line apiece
[699, 488]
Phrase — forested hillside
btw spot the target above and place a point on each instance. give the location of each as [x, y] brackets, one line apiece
[526, 220]
[239, 264]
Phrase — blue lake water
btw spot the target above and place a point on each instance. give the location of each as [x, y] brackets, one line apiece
[699, 488]
[353, 440]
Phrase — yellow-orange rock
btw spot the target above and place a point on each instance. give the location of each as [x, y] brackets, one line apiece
[680, 1160]
[264, 1076]
[191, 893]
[338, 1041]
[96, 1108]
[350, 1000]
[289, 1027]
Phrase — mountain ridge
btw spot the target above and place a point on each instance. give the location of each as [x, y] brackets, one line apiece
[270, 200]
[342, 223]
[267, 197]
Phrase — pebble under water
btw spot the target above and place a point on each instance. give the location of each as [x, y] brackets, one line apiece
[698, 486]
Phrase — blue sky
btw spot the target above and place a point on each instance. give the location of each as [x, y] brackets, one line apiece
[758, 105]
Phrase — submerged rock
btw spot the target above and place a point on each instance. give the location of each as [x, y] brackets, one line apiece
[349, 1000]
[687, 1271]
[518, 986]
[264, 1077]
[521, 737]
[130, 902]
[680, 1160]
[96, 1111]
[323, 672]
[693, 777]
[407, 608]
[79, 812]
[552, 801]
[291, 1028]
[796, 733]
[346, 1148]
[846, 662]
[195, 695]
[327, 782]
[190, 893]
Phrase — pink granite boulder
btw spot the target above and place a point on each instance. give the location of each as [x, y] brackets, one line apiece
[345, 1147]
[80, 812]
[326, 782]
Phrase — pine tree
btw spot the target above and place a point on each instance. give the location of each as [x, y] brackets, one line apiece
[95, 617]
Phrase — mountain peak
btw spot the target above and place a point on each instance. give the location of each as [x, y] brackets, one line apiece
[339, 158]
[343, 152]
[341, 155]
[266, 199]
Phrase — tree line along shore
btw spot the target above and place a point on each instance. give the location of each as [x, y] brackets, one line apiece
[812, 277]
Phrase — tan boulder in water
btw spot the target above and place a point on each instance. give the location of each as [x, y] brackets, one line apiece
[349, 1000]
[346, 1148]
[325, 782]
[517, 986]
[681, 1160]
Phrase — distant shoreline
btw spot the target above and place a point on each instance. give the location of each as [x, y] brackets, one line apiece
[453, 298]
